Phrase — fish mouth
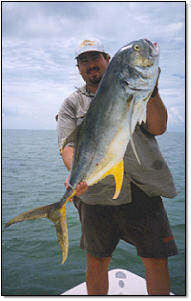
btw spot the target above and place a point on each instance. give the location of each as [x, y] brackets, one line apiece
[145, 62]
[137, 89]
[149, 60]
[154, 47]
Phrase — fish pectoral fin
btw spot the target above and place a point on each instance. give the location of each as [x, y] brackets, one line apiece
[143, 117]
[117, 171]
[134, 149]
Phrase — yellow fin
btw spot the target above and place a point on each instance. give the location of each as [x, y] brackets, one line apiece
[62, 233]
[117, 171]
[62, 229]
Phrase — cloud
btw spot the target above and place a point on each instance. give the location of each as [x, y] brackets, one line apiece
[39, 39]
[37, 101]
[174, 27]
[176, 120]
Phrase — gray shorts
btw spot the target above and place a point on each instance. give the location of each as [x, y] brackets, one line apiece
[142, 223]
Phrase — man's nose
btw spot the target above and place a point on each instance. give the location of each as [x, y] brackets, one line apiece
[91, 62]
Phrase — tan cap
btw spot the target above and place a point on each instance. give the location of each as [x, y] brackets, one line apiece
[89, 45]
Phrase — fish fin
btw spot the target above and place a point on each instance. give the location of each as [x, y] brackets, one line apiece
[117, 171]
[134, 149]
[143, 117]
[32, 214]
[131, 129]
[56, 214]
[59, 219]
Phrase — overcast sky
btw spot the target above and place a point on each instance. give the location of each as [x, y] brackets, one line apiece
[39, 40]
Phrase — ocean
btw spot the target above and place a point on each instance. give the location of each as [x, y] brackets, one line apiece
[33, 175]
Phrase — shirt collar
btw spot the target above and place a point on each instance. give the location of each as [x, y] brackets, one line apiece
[84, 90]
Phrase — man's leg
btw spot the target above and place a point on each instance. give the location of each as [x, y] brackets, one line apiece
[157, 276]
[97, 275]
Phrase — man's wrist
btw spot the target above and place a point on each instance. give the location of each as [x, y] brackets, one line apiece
[155, 92]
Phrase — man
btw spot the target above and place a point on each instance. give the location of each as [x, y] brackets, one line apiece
[138, 215]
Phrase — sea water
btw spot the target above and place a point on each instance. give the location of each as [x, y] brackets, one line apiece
[33, 175]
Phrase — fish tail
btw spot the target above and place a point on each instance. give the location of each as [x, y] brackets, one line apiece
[56, 213]
[32, 214]
[62, 233]
[58, 217]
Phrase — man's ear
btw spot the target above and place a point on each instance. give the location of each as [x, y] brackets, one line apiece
[108, 58]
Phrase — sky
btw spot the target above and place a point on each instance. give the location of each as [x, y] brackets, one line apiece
[38, 48]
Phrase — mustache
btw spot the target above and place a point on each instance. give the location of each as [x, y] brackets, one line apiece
[92, 69]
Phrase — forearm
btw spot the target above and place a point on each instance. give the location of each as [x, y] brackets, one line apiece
[156, 115]
[67, 156]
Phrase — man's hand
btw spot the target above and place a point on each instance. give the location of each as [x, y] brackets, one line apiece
[80, 189]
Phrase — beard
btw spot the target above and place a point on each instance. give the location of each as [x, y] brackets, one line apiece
[95, 78]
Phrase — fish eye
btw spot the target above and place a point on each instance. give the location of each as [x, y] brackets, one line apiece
[136, 47]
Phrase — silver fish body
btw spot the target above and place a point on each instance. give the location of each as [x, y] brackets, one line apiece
[102, 137]
[119, 104]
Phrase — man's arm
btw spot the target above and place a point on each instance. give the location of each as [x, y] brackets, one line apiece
[67, 156]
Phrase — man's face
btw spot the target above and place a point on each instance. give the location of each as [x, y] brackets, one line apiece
[92, 66]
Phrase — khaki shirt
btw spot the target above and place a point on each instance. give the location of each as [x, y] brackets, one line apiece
[152, 176]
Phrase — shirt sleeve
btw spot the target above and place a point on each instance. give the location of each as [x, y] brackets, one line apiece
[66, 122]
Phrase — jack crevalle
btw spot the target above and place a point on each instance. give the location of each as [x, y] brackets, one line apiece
[101, 139]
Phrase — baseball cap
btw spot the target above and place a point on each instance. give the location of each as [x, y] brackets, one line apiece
[89, 45]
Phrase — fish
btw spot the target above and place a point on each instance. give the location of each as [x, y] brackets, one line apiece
[102, 137]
